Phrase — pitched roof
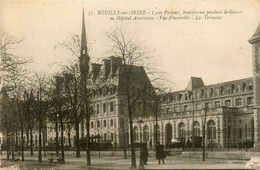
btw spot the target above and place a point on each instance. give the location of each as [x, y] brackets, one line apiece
[256, 36]
[195, 82]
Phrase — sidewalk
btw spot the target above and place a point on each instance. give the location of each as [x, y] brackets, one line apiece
[113, 162]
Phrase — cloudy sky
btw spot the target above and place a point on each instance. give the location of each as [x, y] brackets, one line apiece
[216, 50]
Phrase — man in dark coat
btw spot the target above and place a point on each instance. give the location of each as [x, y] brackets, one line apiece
[145, 154]
[160, 154]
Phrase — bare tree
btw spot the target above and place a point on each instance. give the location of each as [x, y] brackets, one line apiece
[136, 83]
[29, 116]
[72, 93]
[41, 106]
[14, 72]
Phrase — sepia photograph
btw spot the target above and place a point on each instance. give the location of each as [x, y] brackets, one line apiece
[149, 84]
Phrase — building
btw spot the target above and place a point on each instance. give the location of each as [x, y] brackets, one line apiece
[231, 108]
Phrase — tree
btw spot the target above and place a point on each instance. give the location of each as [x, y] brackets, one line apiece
[204, 132]
[136, 84]
[29, 116]
[41, 106]
[59, 105]
[15, 76]
[72, 93]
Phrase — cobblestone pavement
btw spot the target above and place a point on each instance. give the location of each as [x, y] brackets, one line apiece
[113, 162]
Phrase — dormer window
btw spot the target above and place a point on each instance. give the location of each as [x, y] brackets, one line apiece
[250, 87]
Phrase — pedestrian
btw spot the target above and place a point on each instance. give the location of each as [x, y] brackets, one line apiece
[160, 153]
[145, 153]
[142, 157]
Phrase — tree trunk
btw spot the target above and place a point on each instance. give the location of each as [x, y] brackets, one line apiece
[69, 136]
[133, 159]
[44, 140]
[22, 142]
[88, 138]
[77, 139]
[61, 140]
[7, 140]
[40, 144]
[57, 136]
[31, 142]
[16, 141]
[27, 137]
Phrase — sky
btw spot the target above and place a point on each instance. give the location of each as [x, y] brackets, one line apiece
[215, 49]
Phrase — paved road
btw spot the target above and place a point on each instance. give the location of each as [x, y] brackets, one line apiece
[113, 162]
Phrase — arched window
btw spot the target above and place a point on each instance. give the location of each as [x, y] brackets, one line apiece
[182, 130]
[196, 129]
[136, 134]
[211, 128]
[168, 134]
[146, 134]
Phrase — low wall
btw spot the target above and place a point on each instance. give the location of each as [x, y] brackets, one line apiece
[221, 155]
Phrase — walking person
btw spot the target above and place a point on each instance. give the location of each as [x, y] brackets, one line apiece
[160, 153]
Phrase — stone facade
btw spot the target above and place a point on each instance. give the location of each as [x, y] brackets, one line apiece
[229, 116]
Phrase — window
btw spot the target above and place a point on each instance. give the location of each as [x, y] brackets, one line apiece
[92, 125]
[104, 123]
[98, 123]
[182, 130]
[104, 108]
[239, 102]
[240, 121]
[250, 87]
[111, 107]
[196, 129]
[217, 104]
[227, 103]
[185, 108]
[98, 109]
[167, 110]
[240, 133]
[249, 100]
[146, 134]
[222, 90]
[111, 122]
[202, 93]
[136, 134]
[211, 129]
[112, 136]
[197, 106]
[186, 96]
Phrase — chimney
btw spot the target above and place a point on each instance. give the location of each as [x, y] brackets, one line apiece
[115, 63]
[106, 63]
[95, 70]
